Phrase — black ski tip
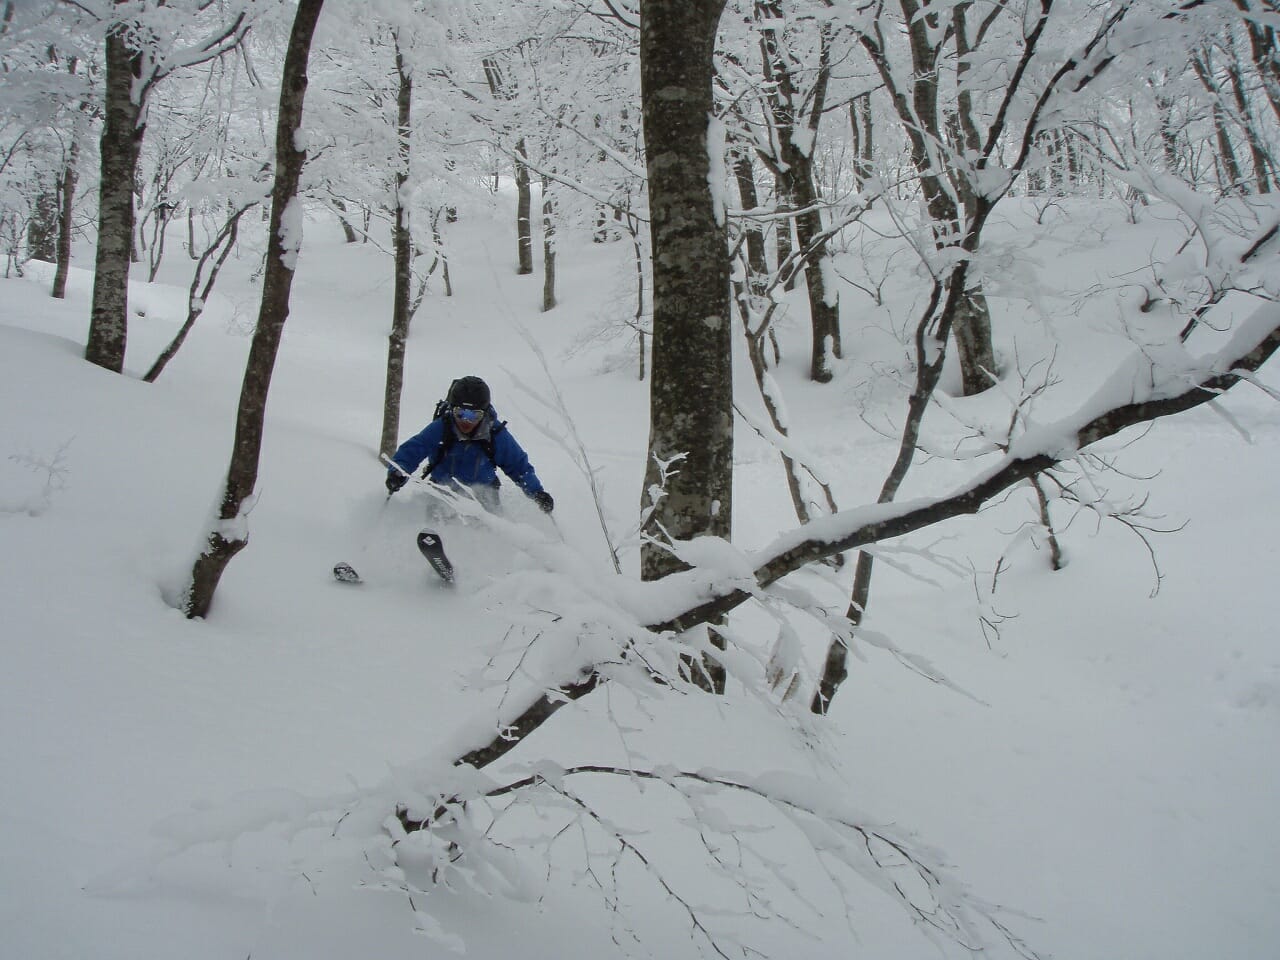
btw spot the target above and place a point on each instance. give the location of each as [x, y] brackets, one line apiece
[431, 547]
[345, 573]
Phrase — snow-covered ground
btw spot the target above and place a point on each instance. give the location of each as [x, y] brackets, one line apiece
[1103, 767]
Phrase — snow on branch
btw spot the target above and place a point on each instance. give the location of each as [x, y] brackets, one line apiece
[627, 652]
[742, 823]
[1123, 402]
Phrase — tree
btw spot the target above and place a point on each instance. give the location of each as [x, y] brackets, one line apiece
[231, 532]
[961, 180]
[501, 89]
[402, 306]
[44, 111]
[793, 115]
[688, 482]
[141, 49]
[436, 820]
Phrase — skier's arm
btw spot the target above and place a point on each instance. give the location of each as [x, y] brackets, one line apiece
[514, 462]
[410, 454]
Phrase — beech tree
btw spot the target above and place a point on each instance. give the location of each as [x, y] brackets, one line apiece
[230, 533]
[794, 87]
[402, 242]
[688, 487]
[45, 113]
[141, 50]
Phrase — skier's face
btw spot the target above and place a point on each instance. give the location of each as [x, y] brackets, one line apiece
[466, 419]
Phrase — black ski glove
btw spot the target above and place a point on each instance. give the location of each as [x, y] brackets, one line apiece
[395, 480]
[544, 501]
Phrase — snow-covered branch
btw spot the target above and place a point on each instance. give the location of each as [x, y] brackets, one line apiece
[1038, 449]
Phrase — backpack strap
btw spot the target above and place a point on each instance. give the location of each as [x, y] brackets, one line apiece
[450, 437]
[487, 443]
[447, 440]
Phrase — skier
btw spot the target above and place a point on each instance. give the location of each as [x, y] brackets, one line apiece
[463, 446]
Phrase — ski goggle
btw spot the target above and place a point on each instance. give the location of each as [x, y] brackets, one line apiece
[467, 415]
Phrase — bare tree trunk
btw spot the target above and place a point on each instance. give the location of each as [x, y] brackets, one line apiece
[1229, 178]
[972, 333]
[691, 389]
[637, 259]
[122, 133]
[918, 110]
[524, 202]
[1042, 501]
[548, 248]
[796, 178]
[444, 255]
[402, 313]
[1258, 154]
[756, 329]
[230, 534]
[1231, 181]
[42, 228]
[971, 324]
[524, 212]
[66, 206]
[757, 261]
[824, 299]
[160, 230]
[860, 125]
[1169, 146]
[197, 296]
[782, 241]
[348, 231]
[1262, 46]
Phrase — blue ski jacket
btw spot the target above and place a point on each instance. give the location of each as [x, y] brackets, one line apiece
[465, 459]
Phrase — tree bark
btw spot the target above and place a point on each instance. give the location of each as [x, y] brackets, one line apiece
[66, 206]
[67, 193]
[348, 231]
[824, 299]
[918, 111]
[910, 517]
[42, 229]
[122, 133]
[757, 261]
[548, 248]
[689, 475]
[522, 720]
[1258, 154]
[796, 180]
[757, 327]
[863, 141]
[782, 240]
[401, 311]
[1262, 47]
[197, 296]
[230, 533]
[524, 212]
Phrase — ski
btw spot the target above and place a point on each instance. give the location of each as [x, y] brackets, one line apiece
[429, 544]
[346, 573]
[431, 547]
